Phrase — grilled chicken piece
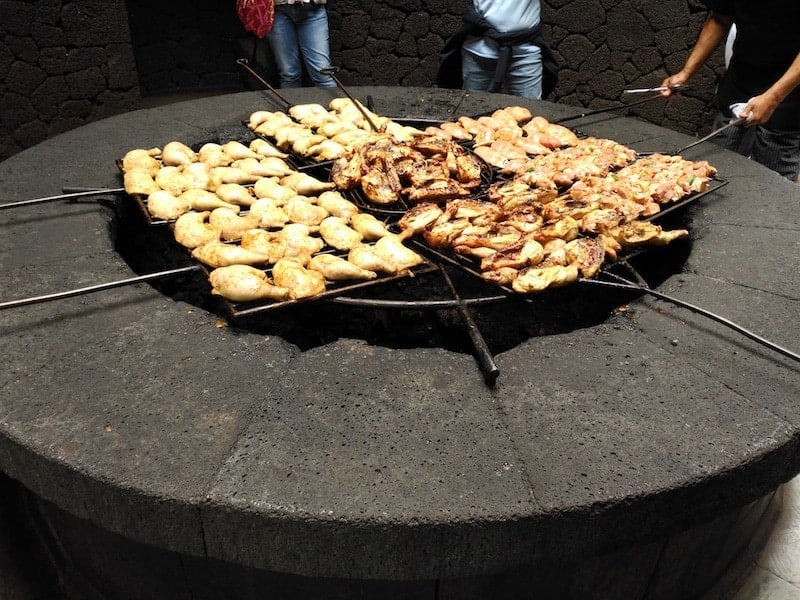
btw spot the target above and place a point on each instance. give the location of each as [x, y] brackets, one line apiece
[267, 166]
[479, 212]
[305, 184]
[301, 282]
[391, 249]
[237, 150]
[173, 179]
[519, 113]
[268, 244]
[234, 193]
[177, 153]
[271, 123]
[230, 224]
[337, 205]
[313, 115]
[601, 219]
[437, 190]
[336, 233]
[381, 184]
[555, 253]
[565, 228]
[536, 279]
[287, 135]
[299, 240]
[219, 254]
[420, 217]
[494, 237]
[270, 214]
[442, 234]
[518, 256]
[333, 128]
[370, 227]
[243, 283]
[492, 156]
[503, 276]
[566, 206]
[468, 170]
[645, 232]
[301, 210]
[365, 257]
[336, 268]
[525, 218]
[304, 145]
[163, 205]
[220, 175]
[610, 246]
[192, 229]
[139, 182]
[587, 254]
[205, 200]
[142, 160]
[346, 171]
[269, 187]
[264, 148]
[327, 149]
[562, 135]
[456, 131]
[200, 176]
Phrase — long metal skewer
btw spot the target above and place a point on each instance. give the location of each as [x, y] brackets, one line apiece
[609, 109]
[245, 64]
[332, 71]
[83, 194]
[97, 288]
[705, 138]
[629, 285]
[484, 355]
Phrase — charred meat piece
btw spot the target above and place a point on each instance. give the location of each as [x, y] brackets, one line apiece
[587, 254]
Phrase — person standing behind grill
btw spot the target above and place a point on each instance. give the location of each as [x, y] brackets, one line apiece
[299, 36]
[763, 77]
[503, 44]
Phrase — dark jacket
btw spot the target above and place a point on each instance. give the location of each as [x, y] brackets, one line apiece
[449, 75]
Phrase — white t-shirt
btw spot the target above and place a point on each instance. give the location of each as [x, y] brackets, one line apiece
[505, 16]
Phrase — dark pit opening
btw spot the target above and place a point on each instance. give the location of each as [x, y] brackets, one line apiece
[503, 320]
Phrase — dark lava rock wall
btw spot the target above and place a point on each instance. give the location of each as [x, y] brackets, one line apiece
[66, 63]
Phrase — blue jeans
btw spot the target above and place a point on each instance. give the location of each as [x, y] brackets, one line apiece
[778, 150]
[524, 76]
[301, 30]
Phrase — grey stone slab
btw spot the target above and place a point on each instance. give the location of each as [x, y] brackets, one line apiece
[764, 377]
[360, 453]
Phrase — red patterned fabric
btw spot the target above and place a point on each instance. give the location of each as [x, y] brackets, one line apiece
[256, 15]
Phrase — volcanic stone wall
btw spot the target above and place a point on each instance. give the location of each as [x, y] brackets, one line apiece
[65, 63]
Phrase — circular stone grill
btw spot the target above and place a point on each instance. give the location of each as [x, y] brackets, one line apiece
[142, 419]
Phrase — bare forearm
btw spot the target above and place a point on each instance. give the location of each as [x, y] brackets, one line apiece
[711, 35]
[759, 109]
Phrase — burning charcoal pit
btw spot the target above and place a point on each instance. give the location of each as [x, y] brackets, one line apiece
[504, 319]
[337, 449]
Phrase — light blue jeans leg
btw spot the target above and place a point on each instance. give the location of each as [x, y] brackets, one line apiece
[285, 48]
[313, 37]
[476, 71]
[524, 77]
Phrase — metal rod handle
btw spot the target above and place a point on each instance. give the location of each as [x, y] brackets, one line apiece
[245, 64]
[331, 71]
[79, 194]
[609, 109]
[705, 138]
[96, 288]
[484, 355]
[624, 284]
